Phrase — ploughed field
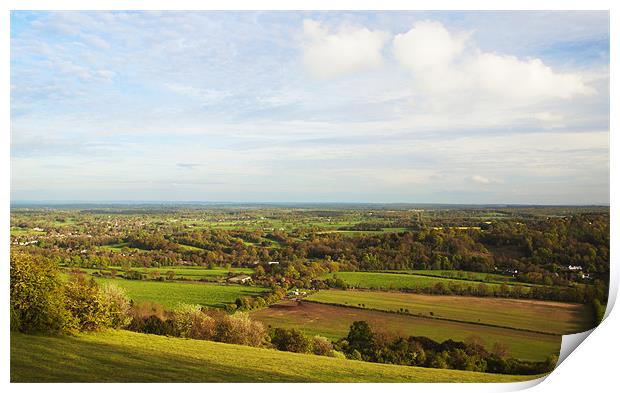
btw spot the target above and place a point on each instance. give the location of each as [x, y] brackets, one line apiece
[170, 294]
[334, 321]
[535, 315]
[122, 356]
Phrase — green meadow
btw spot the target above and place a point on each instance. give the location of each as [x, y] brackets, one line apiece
[170, 294]
[396, 281]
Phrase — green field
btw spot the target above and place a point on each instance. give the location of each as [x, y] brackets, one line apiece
[122, 356]
[170, 294]
[17, 231]
[377, 280]
[196, 273]
[334, 321]
[541, 316]
[348, 232]
[460, 274]
[182, 272]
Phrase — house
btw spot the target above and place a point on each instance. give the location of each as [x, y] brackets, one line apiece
[295, 292]
[574, 268]
[240, 279]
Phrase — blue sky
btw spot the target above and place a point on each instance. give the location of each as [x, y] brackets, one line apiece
[445, 107]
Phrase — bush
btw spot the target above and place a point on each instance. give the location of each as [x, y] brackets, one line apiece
[193, 321]
[190, 322]
[240, 329]
[291, 340]
[118, 304]
[153, 325]
[599, 311]
[143, 310]
[322, 346]
[87, 304]
[37, 296]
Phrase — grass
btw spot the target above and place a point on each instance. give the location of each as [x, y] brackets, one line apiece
[349, 232]
[377, 280]
[460, 274]
[334, 321]
[399, 280]
[542, 316]
[190, 248]
[183, 272]
[196, 273]
[16, 231]
[117, 247]
[170, 294]
[122, 356]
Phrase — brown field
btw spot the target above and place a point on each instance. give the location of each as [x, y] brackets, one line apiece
[334, 321]
[535, 315]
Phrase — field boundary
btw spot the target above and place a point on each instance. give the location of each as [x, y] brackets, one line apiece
[436, 318]
[499, 282]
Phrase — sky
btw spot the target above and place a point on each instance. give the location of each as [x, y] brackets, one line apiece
[418, 107]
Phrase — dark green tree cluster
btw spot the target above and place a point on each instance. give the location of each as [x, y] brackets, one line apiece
[363, 344]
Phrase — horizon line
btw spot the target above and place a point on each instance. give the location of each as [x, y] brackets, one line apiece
[206, 202]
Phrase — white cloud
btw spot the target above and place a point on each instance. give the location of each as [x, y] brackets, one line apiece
[351, 49]
[519, 79]
[95, 41]
[549, 119]
[427, 45]
[443, 62]
[481, 179]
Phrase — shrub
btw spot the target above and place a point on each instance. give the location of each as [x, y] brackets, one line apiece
[87, 304]
[291, 340]
[154, 325]
[240, 329]
[143, 310]
[599, 311]
[322, 346]
[118, 305]
[191, 322]
[37, 296]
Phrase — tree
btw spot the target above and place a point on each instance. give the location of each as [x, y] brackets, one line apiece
[37, 296]
[501, 350]
[291, 340]
[87, 304]
[360, 338]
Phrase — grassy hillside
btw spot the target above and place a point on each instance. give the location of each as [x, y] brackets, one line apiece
[334, 322]
[122, 356]
[170, 294]
[541, 316]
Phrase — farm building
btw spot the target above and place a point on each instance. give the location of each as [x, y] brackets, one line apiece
[240, 279]
[295, 292]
